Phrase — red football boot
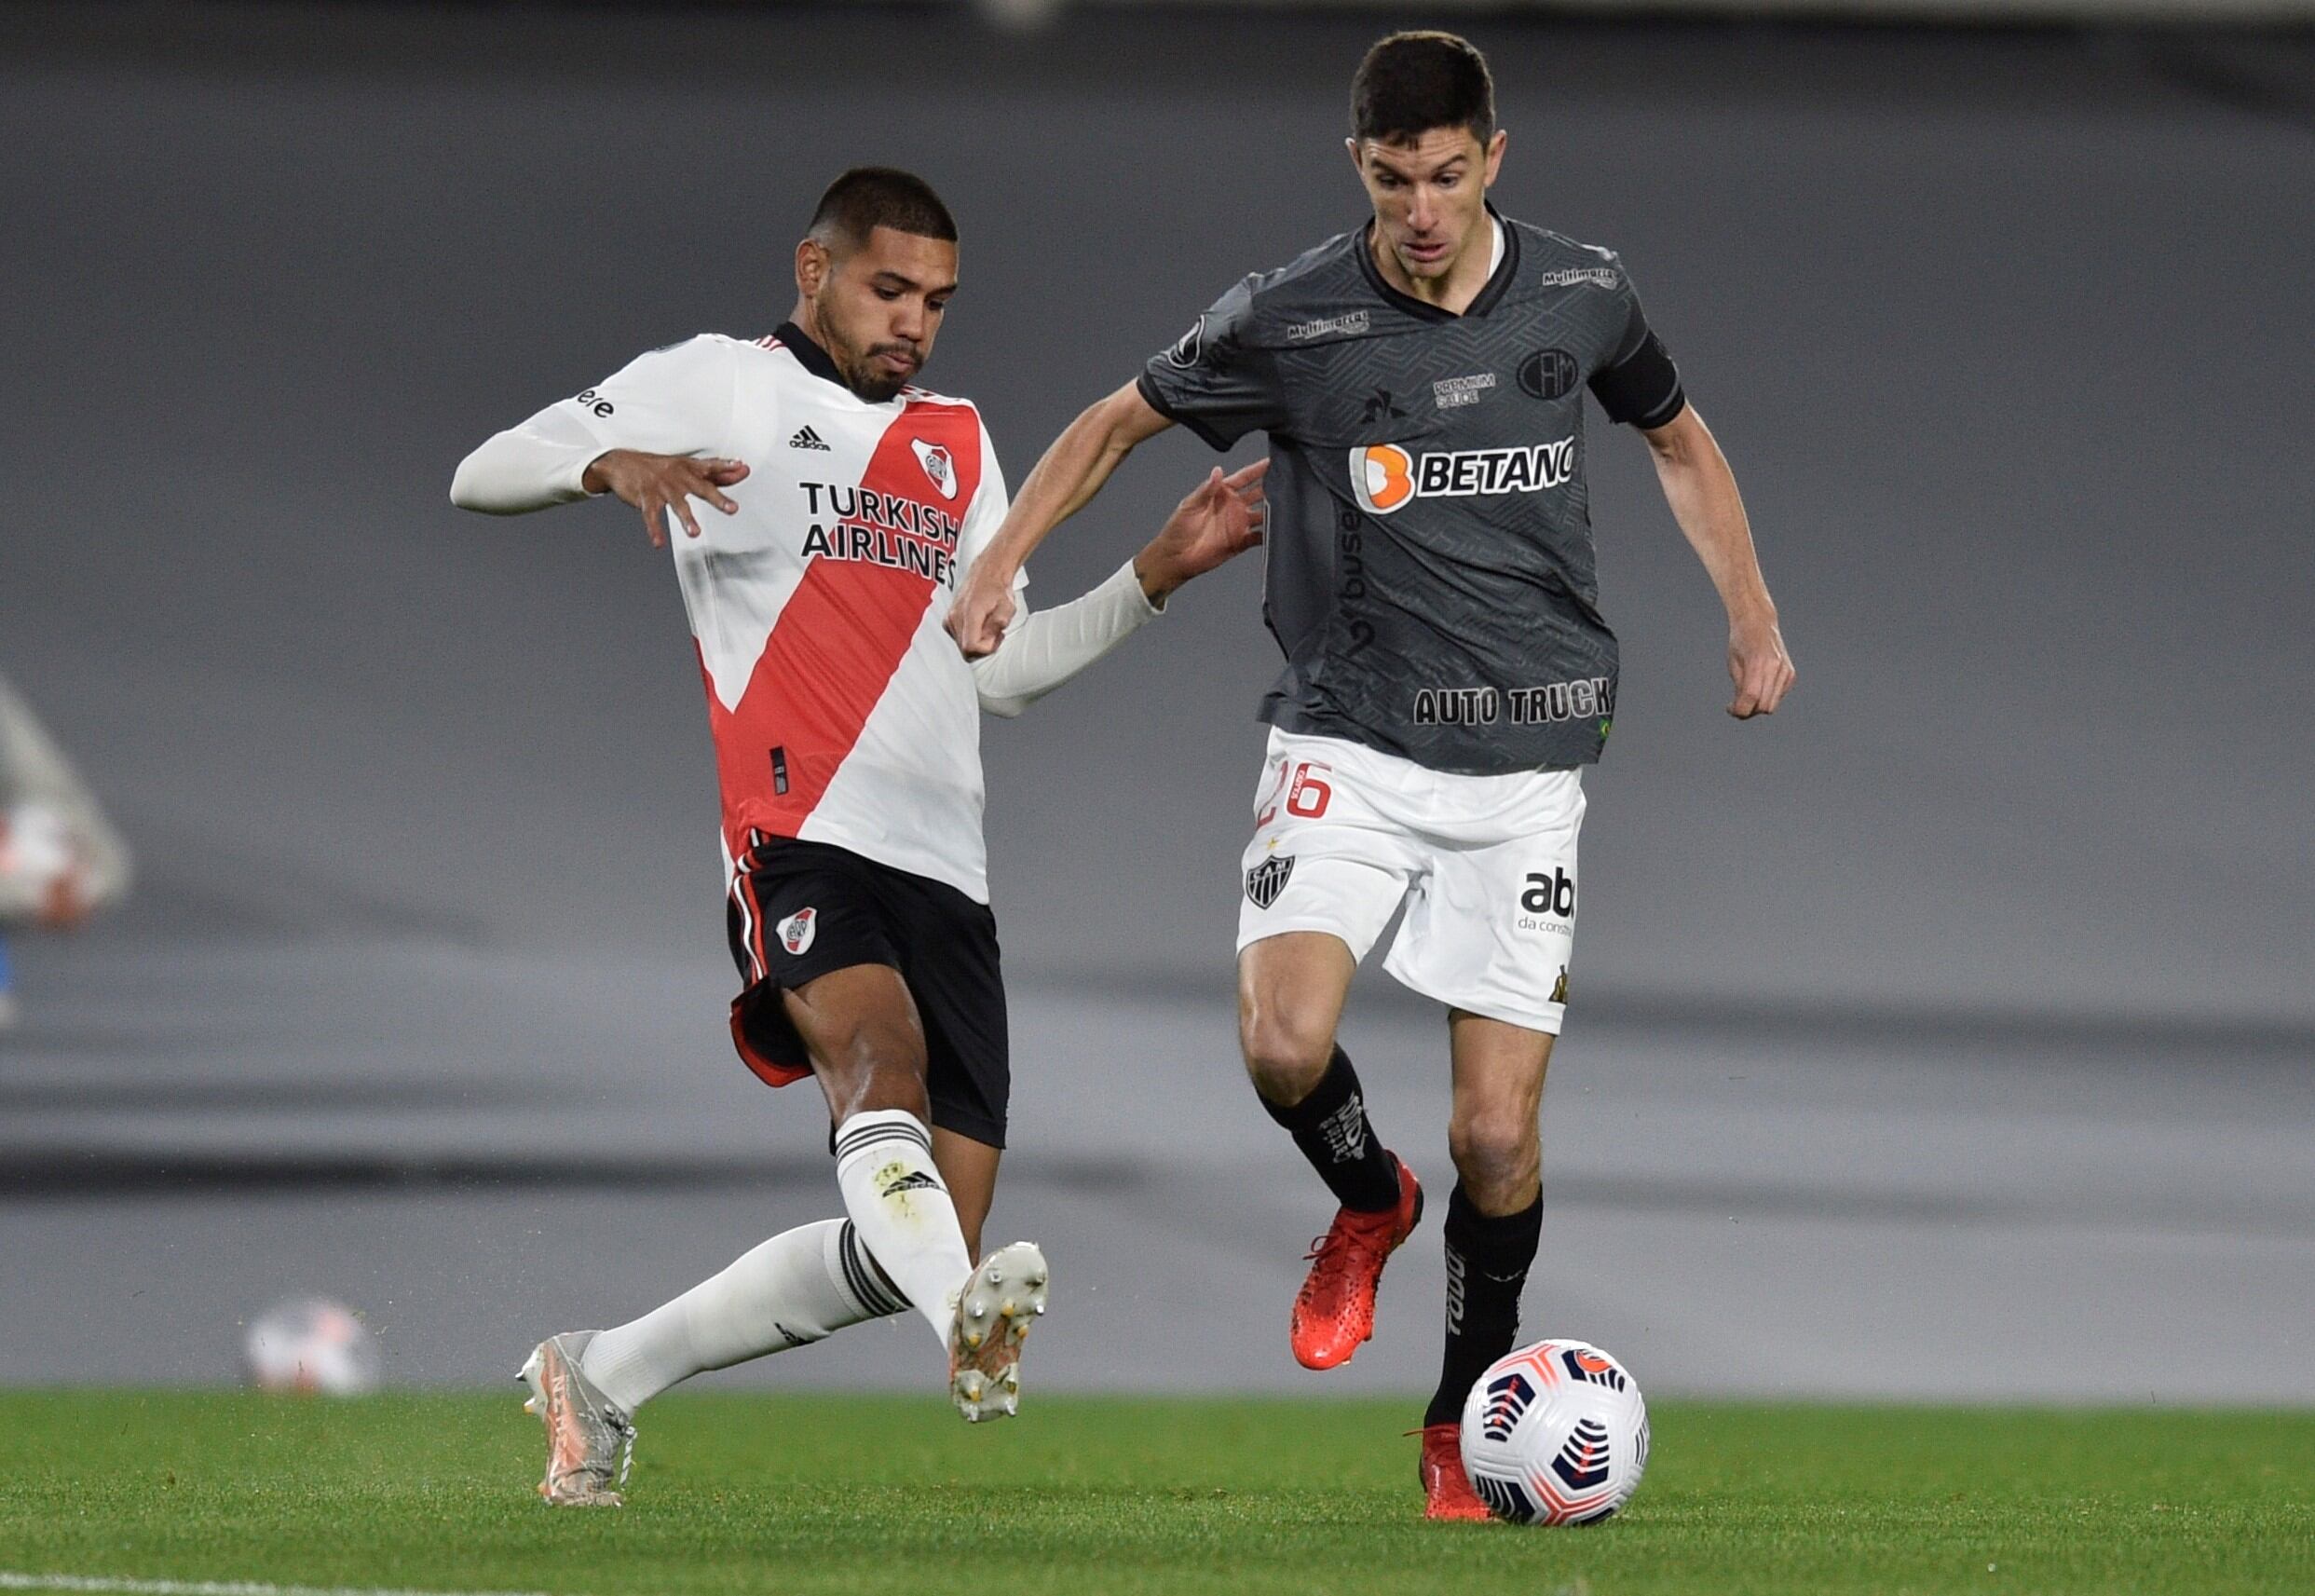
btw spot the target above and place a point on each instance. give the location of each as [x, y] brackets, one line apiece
[1334, 1311]
[1447, 1494]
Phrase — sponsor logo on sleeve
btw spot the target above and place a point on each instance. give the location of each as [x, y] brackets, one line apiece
[1267, 879]
[1386, 477]
[797, 931]
[1548, 374]
[937, 466]
[1187, 348]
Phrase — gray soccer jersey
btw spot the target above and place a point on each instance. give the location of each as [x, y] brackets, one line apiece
[1431, 572]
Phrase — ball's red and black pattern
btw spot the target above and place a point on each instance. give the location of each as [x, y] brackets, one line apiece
[1554, 1433]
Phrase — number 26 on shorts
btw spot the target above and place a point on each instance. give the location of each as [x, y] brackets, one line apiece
[1304, 788]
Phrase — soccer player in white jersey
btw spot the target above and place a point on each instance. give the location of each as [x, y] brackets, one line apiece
[61, 860]
[1421, 380]
[842, 505]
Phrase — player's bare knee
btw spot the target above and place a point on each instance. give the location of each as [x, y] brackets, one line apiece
[1285, 1058]
[1499, 1157]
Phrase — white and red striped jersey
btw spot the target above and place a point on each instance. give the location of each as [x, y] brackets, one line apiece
[842, 711]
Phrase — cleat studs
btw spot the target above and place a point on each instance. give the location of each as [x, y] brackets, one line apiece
[1011, 1308]
[531, 1407]
[978, 1308]
[1012, 1405]
[993, 1274]
[1038, 1278]
[973, 1340]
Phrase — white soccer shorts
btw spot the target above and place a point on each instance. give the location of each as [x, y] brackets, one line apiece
[1485, 864]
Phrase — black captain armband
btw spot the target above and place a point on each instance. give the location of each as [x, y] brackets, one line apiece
[1642, 390]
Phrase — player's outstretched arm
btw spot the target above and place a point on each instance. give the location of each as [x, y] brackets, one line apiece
[529, 468]
[1222, 518]
[1702, 492]
[650, 434]
[1064, 481]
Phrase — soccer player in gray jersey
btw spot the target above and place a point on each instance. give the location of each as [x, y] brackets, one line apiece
[1448, 671]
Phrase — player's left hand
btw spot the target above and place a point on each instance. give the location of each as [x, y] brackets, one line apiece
[1760, 667]
[1222, 518]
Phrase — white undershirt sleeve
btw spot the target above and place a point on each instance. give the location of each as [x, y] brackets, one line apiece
[1045, 648]
[676, 401]
[527, 466]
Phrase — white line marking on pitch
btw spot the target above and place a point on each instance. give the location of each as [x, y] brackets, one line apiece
[11, 1580]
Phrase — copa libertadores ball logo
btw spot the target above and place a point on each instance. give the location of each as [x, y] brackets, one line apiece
[1508, 1396]
[1582, 1462]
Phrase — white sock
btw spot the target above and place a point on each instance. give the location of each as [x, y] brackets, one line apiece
[884, 1165]
[800, 1286]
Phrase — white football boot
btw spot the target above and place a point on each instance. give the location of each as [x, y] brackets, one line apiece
[586, 1433]
[998, 1302]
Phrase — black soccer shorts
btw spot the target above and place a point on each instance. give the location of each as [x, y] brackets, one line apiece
[799, 910]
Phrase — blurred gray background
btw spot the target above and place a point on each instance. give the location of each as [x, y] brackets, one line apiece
[1948, 1035]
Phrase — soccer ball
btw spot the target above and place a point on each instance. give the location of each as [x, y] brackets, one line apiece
[1554, 1433]
[311, 1345]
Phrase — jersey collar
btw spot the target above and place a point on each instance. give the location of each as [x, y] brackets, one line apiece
[1491, 293]
[808, 355]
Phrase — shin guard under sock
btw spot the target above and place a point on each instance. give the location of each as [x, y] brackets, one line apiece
[1330, 1127]
[1487, 1265]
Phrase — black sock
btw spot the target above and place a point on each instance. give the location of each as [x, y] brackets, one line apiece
[1487, 1261]
[1330, 1127]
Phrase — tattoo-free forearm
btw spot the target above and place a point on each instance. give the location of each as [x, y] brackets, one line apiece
[1702, 493]
[1070, 472]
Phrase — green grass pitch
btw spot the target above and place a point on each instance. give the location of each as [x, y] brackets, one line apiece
[799, 1496]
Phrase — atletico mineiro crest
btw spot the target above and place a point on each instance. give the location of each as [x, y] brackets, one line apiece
[1267, 879]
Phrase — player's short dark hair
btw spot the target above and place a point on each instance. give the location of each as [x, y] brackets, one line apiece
[870, 197]
[1411, 83]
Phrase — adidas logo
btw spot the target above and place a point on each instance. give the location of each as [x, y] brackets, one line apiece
[807, 438]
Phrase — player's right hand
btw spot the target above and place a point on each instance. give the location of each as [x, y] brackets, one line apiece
[982, 610]
[657, 484]
[1759, 666]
